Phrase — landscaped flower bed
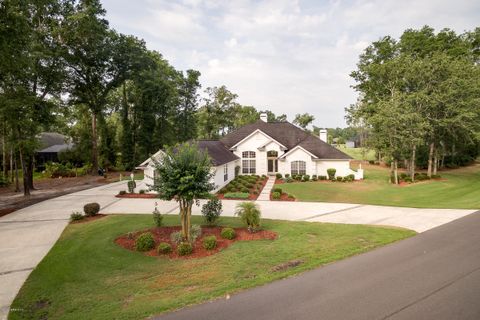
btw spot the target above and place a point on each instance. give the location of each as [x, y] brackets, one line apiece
[163, 235]
[243, 188]
[314, 178]
[136, 195]
[277, 194]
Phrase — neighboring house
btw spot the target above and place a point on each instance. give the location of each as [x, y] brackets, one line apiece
[51, 144]
[268, 148]
[350, 144]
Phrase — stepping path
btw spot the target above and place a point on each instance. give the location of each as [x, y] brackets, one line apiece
[265, 194]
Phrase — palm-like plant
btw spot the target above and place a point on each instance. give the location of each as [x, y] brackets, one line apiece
[249, 213]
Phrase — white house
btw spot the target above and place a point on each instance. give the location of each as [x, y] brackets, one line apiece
[268, 148]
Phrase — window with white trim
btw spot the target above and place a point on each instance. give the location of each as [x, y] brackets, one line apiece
[225, 172]
[298, 167]
[248, 162]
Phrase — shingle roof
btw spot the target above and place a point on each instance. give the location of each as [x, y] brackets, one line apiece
[289, 135]
[57, 148]
[217, 151]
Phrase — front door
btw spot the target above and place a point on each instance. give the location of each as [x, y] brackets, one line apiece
[272, 165]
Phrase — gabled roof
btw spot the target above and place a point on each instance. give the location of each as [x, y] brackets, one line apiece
[217, 152]
[289, 135]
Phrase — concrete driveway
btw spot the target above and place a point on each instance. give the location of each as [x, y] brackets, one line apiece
[28, 234]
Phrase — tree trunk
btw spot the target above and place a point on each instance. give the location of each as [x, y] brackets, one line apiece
[412, 163]
[17, 186]
[30, 173]
[94, 144]
[430, 159]
[11, 166]
[395, 171]
[4, 156]
[435, 163]
[26, 187]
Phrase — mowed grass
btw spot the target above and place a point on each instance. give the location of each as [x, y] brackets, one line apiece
[459, 188]
[358, 153]
[87, 276]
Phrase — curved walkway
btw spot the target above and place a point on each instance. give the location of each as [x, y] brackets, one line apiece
[28, 234]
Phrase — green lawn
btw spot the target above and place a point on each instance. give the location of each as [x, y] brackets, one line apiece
[87, 276]
[358, 153]
[460, 188]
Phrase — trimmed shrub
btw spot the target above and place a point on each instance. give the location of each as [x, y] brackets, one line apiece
[212, 210]
[176, 237]
[277, 189]
[263, 176]
[91, 209]
[314, 177]
[144, 242]
[371, 161]
[164, 248]
[142, 191]
[244, 189]
[322, 177]
[76, 216]
[131, 184]
[278, 176]
[228, 233]
[339, 179]
[276, 195]
[351, 177]
[291, 196]
[157, 218]
[210, 242]
[288, 180]
[122, 192]
[305, 178]
[238, 195]
[287, 175]
[184, 249]
[331, 173]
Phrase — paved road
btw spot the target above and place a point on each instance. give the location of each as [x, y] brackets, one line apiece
[435, 275]
[27, 235]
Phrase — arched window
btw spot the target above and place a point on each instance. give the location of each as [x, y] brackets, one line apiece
[248, 162]
[298, 167]
[272, 154]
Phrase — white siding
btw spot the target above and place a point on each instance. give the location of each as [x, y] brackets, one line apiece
[342, 167]
[217, 178]
[297, 155]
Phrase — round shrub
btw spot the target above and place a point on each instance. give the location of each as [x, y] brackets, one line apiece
[305, 177]
[339, 179]
[287, 175]
[277, 189]
[314, 177]
[145, 242]
[141, 191]
[184, 249]
[227, 233]
[164, 248]
[276, 195]
[210, 242]
[278, 176]
[122, 192]
[244, 189]
[91, 209]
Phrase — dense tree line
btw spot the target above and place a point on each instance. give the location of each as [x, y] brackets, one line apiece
[420, 98]
[64, 69]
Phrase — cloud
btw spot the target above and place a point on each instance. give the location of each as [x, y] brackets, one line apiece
[289, 56]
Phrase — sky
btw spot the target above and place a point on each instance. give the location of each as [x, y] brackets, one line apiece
[286, 56]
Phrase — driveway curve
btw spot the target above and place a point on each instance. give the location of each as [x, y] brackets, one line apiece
[28, 234]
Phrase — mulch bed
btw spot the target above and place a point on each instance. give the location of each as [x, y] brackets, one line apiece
[162, 234]
[88, 219]
[251, 196]
[283, 197]
[137, 195]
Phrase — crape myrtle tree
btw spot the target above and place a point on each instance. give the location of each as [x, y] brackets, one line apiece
[183, 175]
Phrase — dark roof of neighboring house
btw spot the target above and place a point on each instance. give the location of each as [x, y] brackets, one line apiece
[217, 151]
[57, 148]
[48, 139]
[289, 135]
